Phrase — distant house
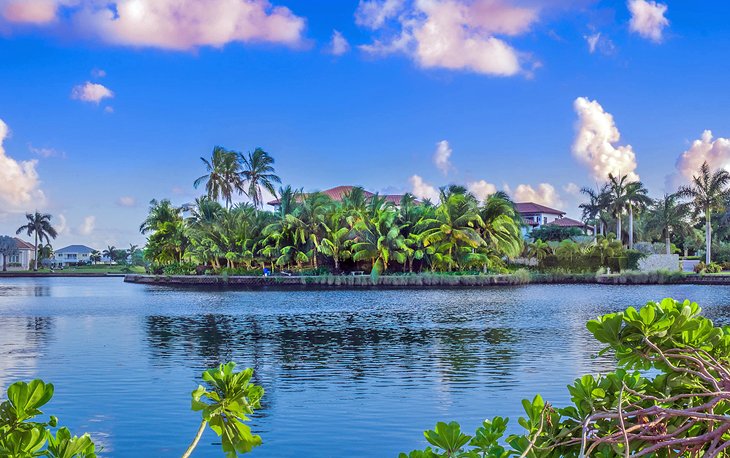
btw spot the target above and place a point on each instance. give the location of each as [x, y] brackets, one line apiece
[536, 216]
[20, 259]
[72, 255]
[338, 193]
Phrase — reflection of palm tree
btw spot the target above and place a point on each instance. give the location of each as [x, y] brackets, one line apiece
[40, 226]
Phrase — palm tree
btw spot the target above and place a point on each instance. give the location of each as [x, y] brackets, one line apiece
[379, 240]
[593, 210]
[636, 197]
[159, 213]
[501, 225]
[668, 216]
[258, 172]
[95, 256]
[8, 247]
[708, 193]
[617, 194]
[337, 239]
[223, 176]
[110, 253]
[539, 250]
[39, 225]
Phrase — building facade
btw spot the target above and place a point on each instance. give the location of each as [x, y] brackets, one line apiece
[72, 255]
[21, 259]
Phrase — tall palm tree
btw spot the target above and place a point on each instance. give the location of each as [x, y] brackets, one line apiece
[39, 225]
[222, 177]
[258, 172]
[159, 213]
[708, 193]
[637, 198]
[593, 210]
[617, 193]
[110, 253]
[668, 216]
[379, 240]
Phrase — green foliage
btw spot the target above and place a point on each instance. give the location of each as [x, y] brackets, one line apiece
[22, 437]
[680, 410]
[549, 233]
[225, 405]
[632, 259]
[176, 268]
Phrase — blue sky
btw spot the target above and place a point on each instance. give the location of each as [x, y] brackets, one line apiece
[114, 108]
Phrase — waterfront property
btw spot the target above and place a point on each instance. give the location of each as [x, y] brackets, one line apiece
[72, 255]
[536, 216]
[21, 258]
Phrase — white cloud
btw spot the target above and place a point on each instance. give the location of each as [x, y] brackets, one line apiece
[187, 24]
[442, 157]
[45, 152]
[572, 189]
[338, 45]
[595, 143]
[167, 24]
[715, 151]
[598, 42]
[455, 34]
[88, 226]
[29, 11]
[423, 190]
[61, 225]
[126, 201]
[374, 13]
[19, 181]
[91, 92]
[481, 189]
[647, 19]
[544, 194]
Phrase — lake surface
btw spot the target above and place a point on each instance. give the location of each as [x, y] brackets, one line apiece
[346, 373]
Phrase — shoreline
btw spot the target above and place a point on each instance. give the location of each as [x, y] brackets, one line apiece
[58, 275]
[424, 281]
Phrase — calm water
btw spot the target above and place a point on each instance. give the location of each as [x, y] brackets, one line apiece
[346, 373]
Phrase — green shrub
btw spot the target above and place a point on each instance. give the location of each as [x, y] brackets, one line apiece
[632, 259]
[617, 264]
[713, 268]
[179, 268]
[699, 267]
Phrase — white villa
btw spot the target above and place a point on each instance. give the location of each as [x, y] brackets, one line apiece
[536, 216]
[21, 259]
[72, 255]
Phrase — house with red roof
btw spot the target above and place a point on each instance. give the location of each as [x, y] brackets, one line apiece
[338, 193]
[21, 258]
[537, 215]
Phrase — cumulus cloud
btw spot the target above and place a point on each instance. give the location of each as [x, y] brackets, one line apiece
[452, 34]
[29, 11]
[91, 92]
[126, 201]
[716, 151]
[647, 19]
[88, 226]
[167, 24]
[442, 157]
[544, 194]
[572, 189]
[338, 45]
[423, 190]
[595, 143]
[481, 189]
[19, 181]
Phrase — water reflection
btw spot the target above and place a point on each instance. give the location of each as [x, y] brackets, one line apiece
[22, 341]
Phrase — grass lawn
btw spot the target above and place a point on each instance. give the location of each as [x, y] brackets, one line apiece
[94, 269]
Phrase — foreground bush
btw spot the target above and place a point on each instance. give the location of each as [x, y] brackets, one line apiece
[224, 404]
[681, 411]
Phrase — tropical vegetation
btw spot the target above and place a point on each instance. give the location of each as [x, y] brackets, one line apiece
[668, 396]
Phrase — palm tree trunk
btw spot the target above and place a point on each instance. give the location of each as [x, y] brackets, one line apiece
[631, 227]
[618, 229]
[337, 263]
[708, 237]
[35, 251]
[668, 244]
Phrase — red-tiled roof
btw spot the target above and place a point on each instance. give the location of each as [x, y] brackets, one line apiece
[22, 244]
[338, 193]
[567, 222]
[531, 207]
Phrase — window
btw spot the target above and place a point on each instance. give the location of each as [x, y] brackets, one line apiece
[14, 258]
[71, 256]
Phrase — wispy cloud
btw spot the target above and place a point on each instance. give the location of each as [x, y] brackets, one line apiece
[88, 226]
[338, 44]
[127, 201]
[46, 152]
[442, 157]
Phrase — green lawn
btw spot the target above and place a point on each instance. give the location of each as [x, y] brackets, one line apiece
[95, 269]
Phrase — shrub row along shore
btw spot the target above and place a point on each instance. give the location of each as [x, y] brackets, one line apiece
[424, 280]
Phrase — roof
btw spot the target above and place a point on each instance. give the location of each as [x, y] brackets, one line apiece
[567, 222]
[531, 207]
[75, 249]
[338, 194]
[22, 244]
